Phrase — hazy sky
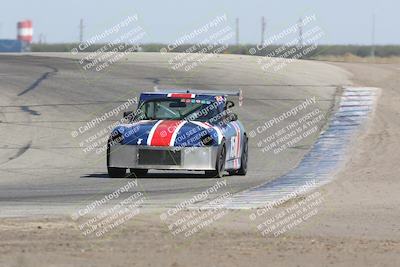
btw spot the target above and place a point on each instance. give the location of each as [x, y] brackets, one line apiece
[343, 21]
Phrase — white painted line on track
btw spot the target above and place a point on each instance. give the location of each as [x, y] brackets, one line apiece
[317, 167]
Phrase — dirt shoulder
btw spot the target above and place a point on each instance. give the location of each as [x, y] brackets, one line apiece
[357, 223]
[363, 201]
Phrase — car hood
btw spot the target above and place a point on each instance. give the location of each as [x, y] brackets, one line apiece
[169, 133]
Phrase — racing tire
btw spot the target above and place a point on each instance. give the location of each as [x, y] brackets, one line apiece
[114, 172]
[220, 164]
[244, 158]
[138, 172]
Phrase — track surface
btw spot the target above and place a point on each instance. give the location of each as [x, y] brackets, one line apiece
[43, 170]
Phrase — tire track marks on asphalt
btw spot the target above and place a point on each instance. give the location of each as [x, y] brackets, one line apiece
[36, 83]
[20, 151]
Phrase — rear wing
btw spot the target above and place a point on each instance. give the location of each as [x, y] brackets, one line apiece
[238, 93]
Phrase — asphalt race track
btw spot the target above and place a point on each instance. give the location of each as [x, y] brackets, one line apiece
[44, 170]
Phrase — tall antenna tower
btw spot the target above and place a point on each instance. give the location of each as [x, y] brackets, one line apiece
[237, 31]
[373, 36]
[300, 28]
[81, 31]
[263, 24]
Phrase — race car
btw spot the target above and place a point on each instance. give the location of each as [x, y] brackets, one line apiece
[179, 130]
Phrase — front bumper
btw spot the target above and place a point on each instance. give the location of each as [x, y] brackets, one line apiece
[163, 158]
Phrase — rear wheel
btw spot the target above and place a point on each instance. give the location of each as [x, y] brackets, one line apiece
[220, 164]
[244, 158]
[138, 172]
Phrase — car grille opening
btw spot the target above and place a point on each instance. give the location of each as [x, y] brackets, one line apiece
[159, 157]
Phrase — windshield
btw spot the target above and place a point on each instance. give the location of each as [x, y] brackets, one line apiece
[178, 109]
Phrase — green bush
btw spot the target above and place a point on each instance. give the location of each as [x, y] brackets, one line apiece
[321, 50]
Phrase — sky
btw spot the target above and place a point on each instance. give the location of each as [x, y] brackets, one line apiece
[342, 21]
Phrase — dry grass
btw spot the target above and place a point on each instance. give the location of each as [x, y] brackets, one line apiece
[352, 58]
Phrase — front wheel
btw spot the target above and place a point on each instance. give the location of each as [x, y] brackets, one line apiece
[138, 172]
[116, 172]
[243, 160]
[220, 164]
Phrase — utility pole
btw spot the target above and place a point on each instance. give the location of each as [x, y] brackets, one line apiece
[263, 24]
[237, 31]
[373, 36]
[81, 31]
[300, 28]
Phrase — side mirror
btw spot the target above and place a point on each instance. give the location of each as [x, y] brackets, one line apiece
[229, 104]
[128, 114]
